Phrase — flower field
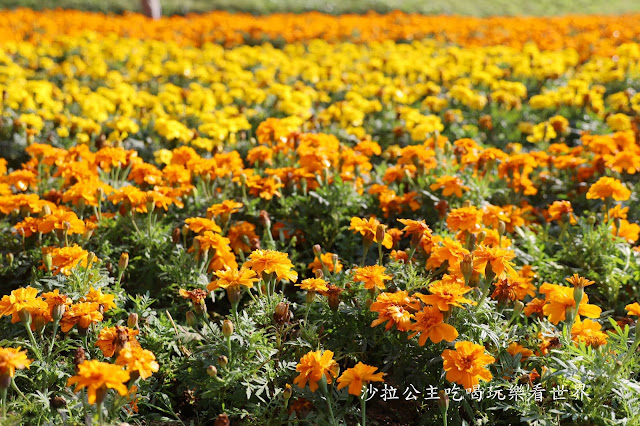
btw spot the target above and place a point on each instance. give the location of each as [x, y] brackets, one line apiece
[309, 219]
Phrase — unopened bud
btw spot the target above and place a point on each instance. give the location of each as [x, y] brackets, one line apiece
[191, 319]
[569, 313]
[502, 227]
[481, 236]
[123, 262]
[185, 230]
[227, 328]
[90, 257]
[287, 392]
[223, 360]
[48, 261]
[58, 312]
[176, 234]
[132, 321]
[317, 250]
[281, 314]
[466, 267]
[78, 357]
[46, 210]
[212, 371]
[10, 259]
[443, 402]
[380, 234]
[66, 226]
[578, 293]
[264, 219]
[518, 306]
[25, 317]
[488, 273]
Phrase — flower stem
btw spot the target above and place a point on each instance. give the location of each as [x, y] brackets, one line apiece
[100, 414]
[33, 343]
[53, 338]
[363, 405]
[4, 403]
[229, 348]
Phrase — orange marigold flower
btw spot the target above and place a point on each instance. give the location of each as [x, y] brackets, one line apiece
[106, 301]
[358, 376]
[607, 187]
[633, 309]
[396, 309]
[588, 331]
[83, 314]
[135, 359]
[513, 289]
[54, 298]
[97, 377]
[535, 306]
[327, 260]
[466, 364]
[313, 366]
[429, 324]
[313, 284]
[578, 281]
[65, 259]
[272, 262]
[449, 291]
[242, 236]
[497, 257]
[415, 227]
[516, 348]
[61, 219]
[558, 298]
[111, 340]
[197, 295]
[464, 219]
[372, 276]
[627, 231]
[560, 210]
[450, 184]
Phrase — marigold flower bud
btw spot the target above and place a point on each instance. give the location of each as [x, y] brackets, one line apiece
[191, 319]
[123, 262]
[578, 293]
[227, 328]
[502, 227]
[380, 233]
[281, 314]
[317, 250]
[223, 360]
[287, 392]
[466, 267]
[46, 210]
[58, 312]
[25, 317]
[132, 321]
[443, 402]
[481, 236]
[176, 235]
[78, 357]
[11, 257]
[212, 371]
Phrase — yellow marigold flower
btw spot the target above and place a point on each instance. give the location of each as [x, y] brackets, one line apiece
[450, 185]
[225, 208]
[106, 301]
[607, 187]
[313, 366]
[136, 359]
[83, 314]
[19, 299]
[201, 224]
[466, 364]
[272, 262]
[588, 331]
[12, 359]
[429, 324]
[97, 377]
[327, 260]
[111, 340]
[313, 284]
[357, 377]
[368, 229]
[371, 276]
[558, 298]
[464, 219]
[233, 278]
[619, 122]
[633, 309]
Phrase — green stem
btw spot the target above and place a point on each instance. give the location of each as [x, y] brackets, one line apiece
[15, 388]
[485, 292]
[33, 343]
[4, 403]
[53, 338]
[363, 405]
[306, 315]
[380, 253]
[100, 414]
[364, 255]
[229, 349]
[333, 419]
